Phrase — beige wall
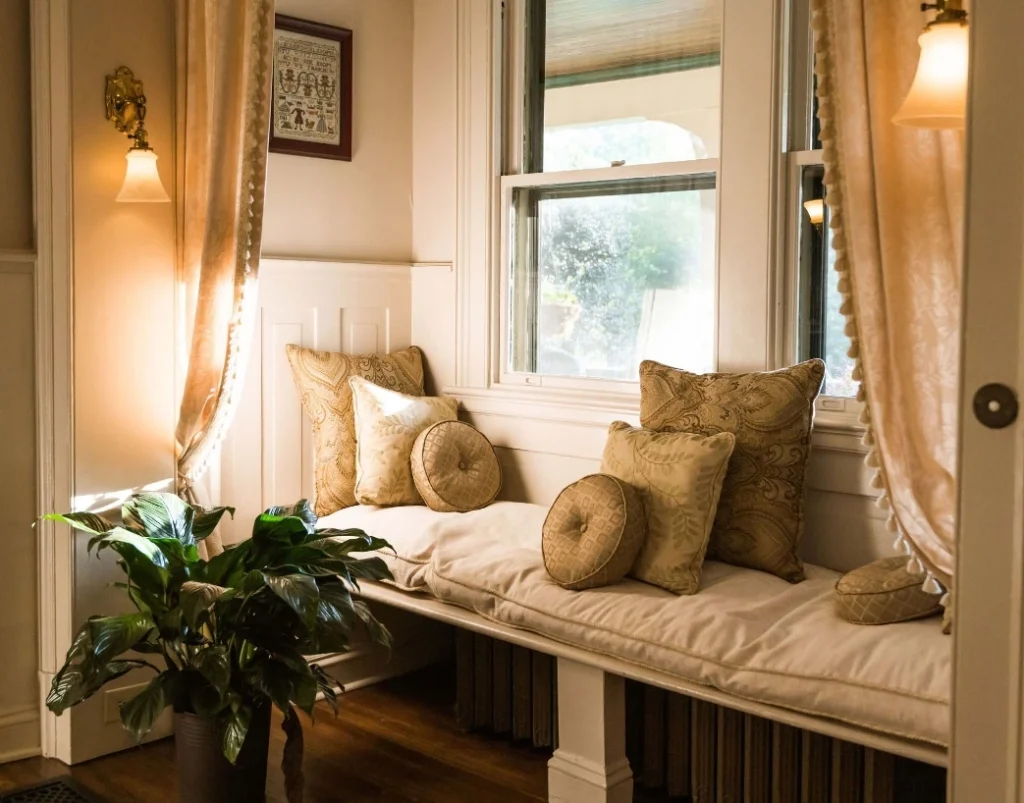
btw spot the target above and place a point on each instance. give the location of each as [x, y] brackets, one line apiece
[124, 255]
[358, 210]
[15, 127]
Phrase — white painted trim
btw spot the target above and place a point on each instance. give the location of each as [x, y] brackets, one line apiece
[637, 172]
[988, 657]
[355, 270]
[468, 620]
[51, 123]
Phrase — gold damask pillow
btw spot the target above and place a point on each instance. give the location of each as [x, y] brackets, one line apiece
[679, 477]
[761, 514]
[883, 593]
[387, 425]
[593, 532]
[322, 379]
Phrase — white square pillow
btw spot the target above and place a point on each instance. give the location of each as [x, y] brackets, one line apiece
[387, 425]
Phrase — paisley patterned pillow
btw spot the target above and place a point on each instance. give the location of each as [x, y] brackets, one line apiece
[761, 514]
[387, 425]
[322, 379]
[679, 477]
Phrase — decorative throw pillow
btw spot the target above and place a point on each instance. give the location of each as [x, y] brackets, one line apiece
[761, 514]
[322, 378]
[593, 532]
[679, 477]
[884, 592]
[455, 468]
[387, 425]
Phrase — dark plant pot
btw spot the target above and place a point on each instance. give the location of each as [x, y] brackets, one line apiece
[205, 776]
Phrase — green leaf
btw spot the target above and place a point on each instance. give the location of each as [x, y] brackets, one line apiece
[299, 592]
[113, 635]
[233, 726]
[301, 509]
[354, 541]
[86, 522]
[328, 686]
[73, 684]
[196, 600]
[214, 664]
[227, 568]
[377, 631]
[270, 531]
[126, 542]
[207, 519]
[160, 516]
[139, 713]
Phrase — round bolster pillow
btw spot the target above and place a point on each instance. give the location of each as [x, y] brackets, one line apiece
[884, 592]
[593, 532]
[455, 468]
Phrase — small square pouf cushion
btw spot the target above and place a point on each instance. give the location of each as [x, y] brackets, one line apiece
[593, 532]
[455, 468]
[884, 592]
[387, 425]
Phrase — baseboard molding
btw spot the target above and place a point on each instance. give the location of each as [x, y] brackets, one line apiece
[19, 733]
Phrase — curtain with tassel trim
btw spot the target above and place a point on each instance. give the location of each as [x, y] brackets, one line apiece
[896, 200]
[224, 79]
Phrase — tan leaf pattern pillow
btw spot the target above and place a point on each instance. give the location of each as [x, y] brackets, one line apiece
[387, 425]
[679, 477]
[761, 514]
[322, 379]
[884, 592]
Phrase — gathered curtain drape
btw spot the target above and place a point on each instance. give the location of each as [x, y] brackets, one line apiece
[224, 81]
[896, 200]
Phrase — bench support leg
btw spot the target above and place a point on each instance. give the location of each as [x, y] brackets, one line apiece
[590, 764]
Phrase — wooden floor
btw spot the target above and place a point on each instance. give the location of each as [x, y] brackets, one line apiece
[395, 742]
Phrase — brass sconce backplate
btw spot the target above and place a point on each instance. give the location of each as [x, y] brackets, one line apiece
[126, 105]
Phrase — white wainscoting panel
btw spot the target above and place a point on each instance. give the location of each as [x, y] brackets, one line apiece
[356, 308]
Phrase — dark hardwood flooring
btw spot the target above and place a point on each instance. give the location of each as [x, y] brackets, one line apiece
[396, 742]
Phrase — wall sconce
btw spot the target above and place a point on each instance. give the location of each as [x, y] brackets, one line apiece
[815, 209]
[938, 96]
[126, 108]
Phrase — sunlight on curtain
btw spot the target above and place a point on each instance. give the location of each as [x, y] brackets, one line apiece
[224, 76]
[896, 198]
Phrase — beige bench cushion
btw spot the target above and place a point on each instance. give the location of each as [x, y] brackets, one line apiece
[747, 633]
[322, 379]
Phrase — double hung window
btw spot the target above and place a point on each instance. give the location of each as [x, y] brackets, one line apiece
[609, 193]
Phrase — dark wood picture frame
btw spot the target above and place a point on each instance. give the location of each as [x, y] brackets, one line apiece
[321, 150]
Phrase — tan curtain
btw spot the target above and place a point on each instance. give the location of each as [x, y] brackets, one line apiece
[224, 75]
[896, 201]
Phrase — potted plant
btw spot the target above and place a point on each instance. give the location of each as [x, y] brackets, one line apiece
[226, 638]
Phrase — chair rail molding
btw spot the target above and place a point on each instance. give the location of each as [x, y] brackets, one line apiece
[51, 126]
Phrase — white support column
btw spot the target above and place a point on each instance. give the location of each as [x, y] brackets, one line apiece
[590, 764]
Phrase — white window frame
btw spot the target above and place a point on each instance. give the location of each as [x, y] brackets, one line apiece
[836, 413]
[512, 179]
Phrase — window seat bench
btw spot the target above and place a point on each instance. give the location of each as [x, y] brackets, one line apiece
[747, 641]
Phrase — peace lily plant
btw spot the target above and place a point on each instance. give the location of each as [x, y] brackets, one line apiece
[227, 637]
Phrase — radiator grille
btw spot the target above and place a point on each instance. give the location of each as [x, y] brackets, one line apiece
[686, 749]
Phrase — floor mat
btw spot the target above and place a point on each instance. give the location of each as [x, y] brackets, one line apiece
[59, 790]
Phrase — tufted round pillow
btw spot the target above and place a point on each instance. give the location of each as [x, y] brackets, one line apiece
[455, 468]
[593, 532]
[884, 592]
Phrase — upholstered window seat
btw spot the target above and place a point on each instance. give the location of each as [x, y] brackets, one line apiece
[751, 635]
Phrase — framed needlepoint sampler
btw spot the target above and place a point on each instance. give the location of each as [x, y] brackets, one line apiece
[312, 109]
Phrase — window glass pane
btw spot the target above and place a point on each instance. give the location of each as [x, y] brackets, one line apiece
[822, 326]
[630, 81]
[607, 274]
